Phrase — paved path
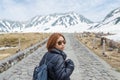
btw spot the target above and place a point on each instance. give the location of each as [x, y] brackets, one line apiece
[87, 65]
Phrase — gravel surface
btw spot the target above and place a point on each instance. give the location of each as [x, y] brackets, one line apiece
[88, 66]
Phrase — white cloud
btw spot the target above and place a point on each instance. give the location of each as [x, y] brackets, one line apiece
[25, 9]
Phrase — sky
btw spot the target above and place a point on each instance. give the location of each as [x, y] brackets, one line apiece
[22, 10]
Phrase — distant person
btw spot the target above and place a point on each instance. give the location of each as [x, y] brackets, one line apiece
[59, 68]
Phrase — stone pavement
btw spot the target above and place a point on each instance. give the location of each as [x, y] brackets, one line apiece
[88, 66]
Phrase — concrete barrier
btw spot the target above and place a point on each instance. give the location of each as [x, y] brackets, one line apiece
[12, 60]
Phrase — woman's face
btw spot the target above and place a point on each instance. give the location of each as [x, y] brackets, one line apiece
[60, 44]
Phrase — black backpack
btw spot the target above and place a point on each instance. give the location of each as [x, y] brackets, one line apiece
[40, 72]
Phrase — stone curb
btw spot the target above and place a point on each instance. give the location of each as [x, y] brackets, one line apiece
[12, 60]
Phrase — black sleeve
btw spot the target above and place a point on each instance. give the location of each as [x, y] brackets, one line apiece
[62, 71]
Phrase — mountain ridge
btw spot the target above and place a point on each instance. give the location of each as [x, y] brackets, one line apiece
[66, 22]
[65, 19]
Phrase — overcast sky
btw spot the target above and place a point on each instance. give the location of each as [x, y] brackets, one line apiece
[22, 10]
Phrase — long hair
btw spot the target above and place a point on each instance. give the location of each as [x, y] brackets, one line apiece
[52, 40]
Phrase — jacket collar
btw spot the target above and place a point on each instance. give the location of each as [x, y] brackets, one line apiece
[57, 51]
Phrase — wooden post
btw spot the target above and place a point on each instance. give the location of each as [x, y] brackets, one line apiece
[19, 44]
[94, 42]
[42, 35]
[103, 48]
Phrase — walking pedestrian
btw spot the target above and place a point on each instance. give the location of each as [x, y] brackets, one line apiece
[59, 68]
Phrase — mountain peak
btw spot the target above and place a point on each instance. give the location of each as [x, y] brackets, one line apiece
[57, 19]
[113, 14]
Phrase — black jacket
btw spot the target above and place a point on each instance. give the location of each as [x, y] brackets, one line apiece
[58, 67]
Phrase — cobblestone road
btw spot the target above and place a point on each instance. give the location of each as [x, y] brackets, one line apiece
[88, 66]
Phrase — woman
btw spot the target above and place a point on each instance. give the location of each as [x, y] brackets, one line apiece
[58, 67]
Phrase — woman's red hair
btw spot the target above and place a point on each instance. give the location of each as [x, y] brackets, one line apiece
[52, 40]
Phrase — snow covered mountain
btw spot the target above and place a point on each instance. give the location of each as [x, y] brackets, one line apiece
[10, 26]
[63, 22]
[110, 23]
[45, 23]
[66, 19]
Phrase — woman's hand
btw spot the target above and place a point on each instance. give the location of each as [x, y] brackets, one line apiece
[69, 63]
